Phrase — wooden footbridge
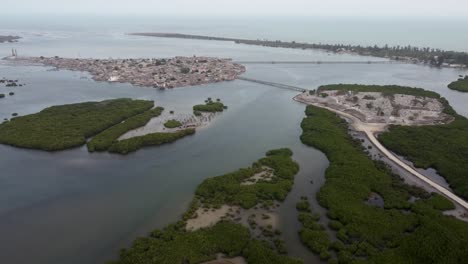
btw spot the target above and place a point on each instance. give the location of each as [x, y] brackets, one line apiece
[277, 85]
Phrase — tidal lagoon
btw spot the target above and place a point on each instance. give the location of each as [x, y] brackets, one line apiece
[78, 207]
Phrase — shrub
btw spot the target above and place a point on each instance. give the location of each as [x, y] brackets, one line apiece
[185, 70]
[172, 123]
[303, 206]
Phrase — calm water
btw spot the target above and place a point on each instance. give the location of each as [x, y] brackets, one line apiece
[445, 33]
[76, 207]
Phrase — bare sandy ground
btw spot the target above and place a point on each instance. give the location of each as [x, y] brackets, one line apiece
[265, 175]
[372, 107]
[209, 217]
[221, 259]
[156, 124]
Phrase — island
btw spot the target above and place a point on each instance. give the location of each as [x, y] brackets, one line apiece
[9, 39]
[209, 106]
[428, 56]
[156, 73]
[67, 126]
[460, 85]
[231, 219]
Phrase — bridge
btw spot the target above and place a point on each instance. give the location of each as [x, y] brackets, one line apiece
[321, 62]
[277, 85]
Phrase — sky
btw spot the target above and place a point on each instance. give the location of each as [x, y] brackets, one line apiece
[439, 8]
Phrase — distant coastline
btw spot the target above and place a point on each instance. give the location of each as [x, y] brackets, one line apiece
[426, 56]
[9, 39]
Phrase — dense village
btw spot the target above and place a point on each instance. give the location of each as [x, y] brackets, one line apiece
[156, 73]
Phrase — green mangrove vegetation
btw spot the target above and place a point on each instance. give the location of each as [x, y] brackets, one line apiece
[106, 138]
[403, 231]
[172, 123]
[313, 234]
[154, 139]
[460, 85]
[67, 126]
[442, 147]
[175, 245]
[209, 106]
[227, 189]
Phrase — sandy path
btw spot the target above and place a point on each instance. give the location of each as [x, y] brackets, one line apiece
[370, 129]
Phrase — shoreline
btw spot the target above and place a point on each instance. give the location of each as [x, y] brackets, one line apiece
[164, 73]
[433, 58]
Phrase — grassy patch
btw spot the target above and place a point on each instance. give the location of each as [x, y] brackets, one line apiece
[133, 144]
[460, 85]
[420, 234]
[105, 139]
[67, 126]
[172, 123]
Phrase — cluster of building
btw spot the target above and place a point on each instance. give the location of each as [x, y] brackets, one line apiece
[157, 73]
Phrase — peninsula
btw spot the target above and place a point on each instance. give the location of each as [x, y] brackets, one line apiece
[408, 227]
[156, 73]
[409, 121]
[9, 39]
[427, 56]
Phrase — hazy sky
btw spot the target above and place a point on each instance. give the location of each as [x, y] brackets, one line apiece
[246, 7]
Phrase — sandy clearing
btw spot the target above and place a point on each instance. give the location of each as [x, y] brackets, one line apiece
[266, 175]
[209, 217]
[221, 259]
